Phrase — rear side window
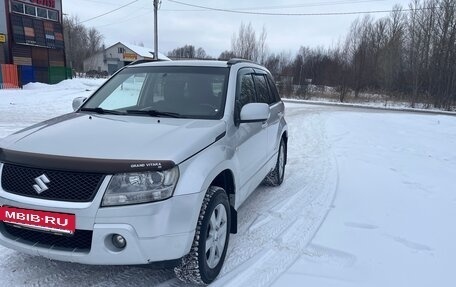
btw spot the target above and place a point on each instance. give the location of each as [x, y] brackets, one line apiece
[262, 90]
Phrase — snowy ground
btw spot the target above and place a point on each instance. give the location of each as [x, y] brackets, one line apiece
[38, 102]
[369, 200]
[375, 105]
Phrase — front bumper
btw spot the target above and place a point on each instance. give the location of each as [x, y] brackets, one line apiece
[137, 251]
[154, 232]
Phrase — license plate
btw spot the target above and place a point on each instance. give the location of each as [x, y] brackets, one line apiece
[41, 220]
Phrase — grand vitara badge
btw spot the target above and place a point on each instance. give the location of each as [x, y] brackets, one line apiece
[40, 185]
[147, 165]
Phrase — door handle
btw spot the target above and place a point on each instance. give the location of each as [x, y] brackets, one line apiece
[265, 125]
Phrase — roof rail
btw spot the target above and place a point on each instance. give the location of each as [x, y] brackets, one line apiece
[142, 61]
[239, 60]
[137, 62]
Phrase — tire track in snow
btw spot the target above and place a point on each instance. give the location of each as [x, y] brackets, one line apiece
[290, 225]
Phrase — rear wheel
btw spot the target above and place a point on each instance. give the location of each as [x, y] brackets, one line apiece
[275, 177]
[206, 257]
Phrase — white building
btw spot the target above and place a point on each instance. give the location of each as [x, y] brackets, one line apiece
[117, 56]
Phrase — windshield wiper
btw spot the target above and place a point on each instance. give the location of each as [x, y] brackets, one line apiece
[155, 113]
[102, 111]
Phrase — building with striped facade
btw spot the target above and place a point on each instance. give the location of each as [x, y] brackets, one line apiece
[33, 41]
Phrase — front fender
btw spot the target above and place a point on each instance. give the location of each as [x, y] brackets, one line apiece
[197, 172]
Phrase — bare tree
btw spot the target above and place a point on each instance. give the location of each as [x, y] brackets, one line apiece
[226, 55]
[201, 54]
[81, 43]
[246, 45]
[95, 41]
[188, 52]
[262, 47]
[185, 52]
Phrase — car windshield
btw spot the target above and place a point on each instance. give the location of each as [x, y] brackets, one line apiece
[187, 92]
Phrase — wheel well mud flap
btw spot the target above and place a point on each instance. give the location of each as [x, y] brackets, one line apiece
[233, 214]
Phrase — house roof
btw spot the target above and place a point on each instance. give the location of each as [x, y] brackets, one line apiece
[142, 51]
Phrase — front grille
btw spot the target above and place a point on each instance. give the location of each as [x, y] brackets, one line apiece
[81, 239]
[63, 185]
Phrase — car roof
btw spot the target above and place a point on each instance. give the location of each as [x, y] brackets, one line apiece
[239, 63]
[195, 63]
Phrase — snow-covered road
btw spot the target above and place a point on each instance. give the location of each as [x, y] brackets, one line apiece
[368, 200]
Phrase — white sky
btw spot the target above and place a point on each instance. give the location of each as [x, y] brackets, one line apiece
[213, 30]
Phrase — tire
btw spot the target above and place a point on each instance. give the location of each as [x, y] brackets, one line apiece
[213, 228]
[276, 176]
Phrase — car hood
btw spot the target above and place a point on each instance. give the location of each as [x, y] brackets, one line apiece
[112, 137]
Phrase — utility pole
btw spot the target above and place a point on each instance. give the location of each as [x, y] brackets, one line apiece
[156, 4]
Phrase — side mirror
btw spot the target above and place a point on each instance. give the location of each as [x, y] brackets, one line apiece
[77, 102]
[254, 112]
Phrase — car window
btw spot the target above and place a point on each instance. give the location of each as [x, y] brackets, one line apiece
[262, 90]
[126, 94]
[190, 92]
[273, 89]
[246, 93]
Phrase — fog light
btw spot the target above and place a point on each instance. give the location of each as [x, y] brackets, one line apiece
[119, 241]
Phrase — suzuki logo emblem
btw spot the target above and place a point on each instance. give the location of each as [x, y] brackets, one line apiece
[40, 185]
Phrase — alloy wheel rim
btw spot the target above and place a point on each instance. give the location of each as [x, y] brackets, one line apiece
[216, 236]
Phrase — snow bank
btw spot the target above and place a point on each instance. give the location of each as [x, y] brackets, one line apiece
[76, 84]
[393, 106]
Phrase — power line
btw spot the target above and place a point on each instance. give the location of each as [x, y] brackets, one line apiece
[109, 12]
[99, 2]
[297, 14]
[274, 7]
[314, 4]
[136, 16]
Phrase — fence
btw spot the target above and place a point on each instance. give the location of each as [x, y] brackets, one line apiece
[58, 74]
[9, 78]
[14, 76]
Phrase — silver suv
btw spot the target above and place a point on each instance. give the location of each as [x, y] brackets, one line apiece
[151, 168]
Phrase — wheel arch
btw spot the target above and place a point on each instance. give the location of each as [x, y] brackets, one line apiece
[225, 180]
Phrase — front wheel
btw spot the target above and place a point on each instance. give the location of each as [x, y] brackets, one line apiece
[206, 257]
[275, 177]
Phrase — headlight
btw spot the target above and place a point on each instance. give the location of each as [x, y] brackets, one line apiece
[140, 187]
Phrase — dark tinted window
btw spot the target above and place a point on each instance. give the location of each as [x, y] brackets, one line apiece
[53, 15]
[17, 7]
[30, 10]
[42, 12]
[272, 87]
[262, 90]
[247, 92]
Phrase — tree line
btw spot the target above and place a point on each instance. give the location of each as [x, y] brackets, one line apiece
[407, 55]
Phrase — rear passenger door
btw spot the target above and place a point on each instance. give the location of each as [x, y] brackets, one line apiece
[267, 93]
